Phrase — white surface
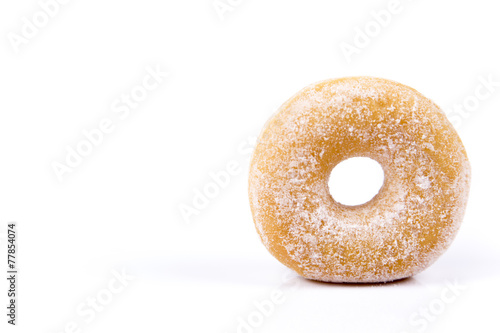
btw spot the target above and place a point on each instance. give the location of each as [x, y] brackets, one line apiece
[119, 209]
[356, 180]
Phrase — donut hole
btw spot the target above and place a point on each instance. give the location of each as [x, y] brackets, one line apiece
[356, 181]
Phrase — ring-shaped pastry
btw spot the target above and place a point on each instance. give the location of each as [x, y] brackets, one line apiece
[404, 228]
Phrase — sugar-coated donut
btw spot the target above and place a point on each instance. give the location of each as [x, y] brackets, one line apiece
[404, 228]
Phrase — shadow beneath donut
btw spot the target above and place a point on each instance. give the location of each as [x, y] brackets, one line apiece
[408, 281]
[461, 264]
[212, 270]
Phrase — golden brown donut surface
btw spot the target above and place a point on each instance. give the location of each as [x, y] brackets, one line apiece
[404, 228]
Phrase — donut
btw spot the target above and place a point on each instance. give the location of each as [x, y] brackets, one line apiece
[404, 228]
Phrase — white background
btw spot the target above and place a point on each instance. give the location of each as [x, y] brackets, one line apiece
[120, 208]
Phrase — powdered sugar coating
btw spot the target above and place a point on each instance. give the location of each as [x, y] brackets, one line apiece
[404, 228]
